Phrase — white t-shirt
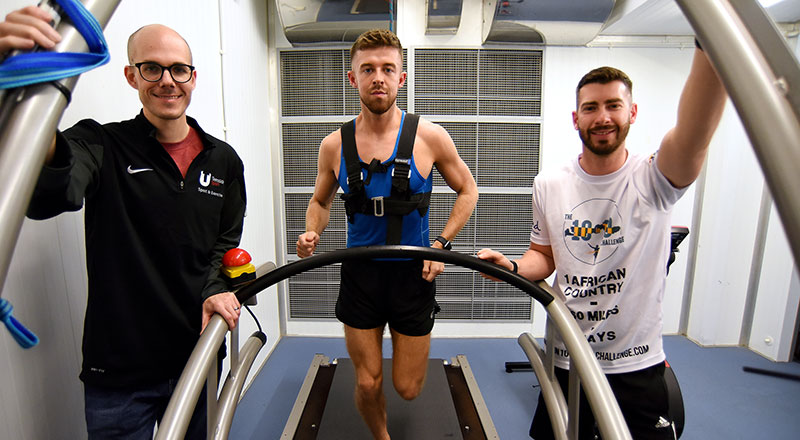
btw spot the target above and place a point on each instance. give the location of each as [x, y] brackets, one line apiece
[610, 237]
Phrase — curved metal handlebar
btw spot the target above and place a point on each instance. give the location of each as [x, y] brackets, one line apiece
[612, 424]
[395, 251]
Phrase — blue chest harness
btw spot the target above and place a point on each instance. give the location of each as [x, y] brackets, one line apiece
[401, 202]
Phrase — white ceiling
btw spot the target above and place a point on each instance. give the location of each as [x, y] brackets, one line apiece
[664, 17]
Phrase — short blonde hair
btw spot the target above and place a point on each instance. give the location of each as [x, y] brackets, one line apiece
[376, 38]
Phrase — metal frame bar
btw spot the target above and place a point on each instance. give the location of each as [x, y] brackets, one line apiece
[181, 405]
[477, 398]
[232, 390]
[302, 397]
[29, 118]
[551, 391]
[202, 364]
[757, 73]
[612, 424]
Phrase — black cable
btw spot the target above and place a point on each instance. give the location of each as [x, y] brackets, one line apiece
[258, 324]
[780, 374]
[63, 89]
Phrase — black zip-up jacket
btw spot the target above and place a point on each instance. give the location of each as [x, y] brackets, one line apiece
[154, 242]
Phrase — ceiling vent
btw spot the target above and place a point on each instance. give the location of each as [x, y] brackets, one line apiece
[443, 16]
[551, 22]
[333, 21]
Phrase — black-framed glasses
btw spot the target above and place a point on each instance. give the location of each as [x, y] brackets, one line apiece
[152, 72]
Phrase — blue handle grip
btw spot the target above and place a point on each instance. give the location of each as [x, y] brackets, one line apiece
[35, 67]
[24, 337]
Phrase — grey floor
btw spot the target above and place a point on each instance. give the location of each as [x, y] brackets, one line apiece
[722, 401]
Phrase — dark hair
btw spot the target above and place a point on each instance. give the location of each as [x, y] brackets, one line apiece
[604, 75]
[376, 38]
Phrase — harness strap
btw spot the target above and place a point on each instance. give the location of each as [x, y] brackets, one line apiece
[400, 202]
[356, 199]
[401, 176]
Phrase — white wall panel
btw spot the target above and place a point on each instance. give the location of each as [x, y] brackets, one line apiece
[247, 91]
[36, 286]
[726, 239]
[776, 304]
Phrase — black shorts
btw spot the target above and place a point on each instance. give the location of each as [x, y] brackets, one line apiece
[642, 397]
[376, 292]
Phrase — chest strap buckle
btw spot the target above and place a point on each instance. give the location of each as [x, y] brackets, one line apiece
[377, 206]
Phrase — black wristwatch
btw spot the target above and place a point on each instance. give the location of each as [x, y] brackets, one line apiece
[446, 244]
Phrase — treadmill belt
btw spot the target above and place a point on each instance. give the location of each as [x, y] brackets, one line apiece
[430, 416]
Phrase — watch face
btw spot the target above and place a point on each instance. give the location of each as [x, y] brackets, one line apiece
[446, 244]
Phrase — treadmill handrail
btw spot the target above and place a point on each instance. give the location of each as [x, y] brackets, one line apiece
[551, 390]
[29, 118]
[184, 399]
[232, 390]
[609, 417]
[758, 93]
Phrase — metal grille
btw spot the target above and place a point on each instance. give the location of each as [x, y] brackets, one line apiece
[314, 83]
[464, 294]
[300, 146]
[498, 154]
[508, 155]
[503, 156]
[510, 83]
[313, 293]
[478, 82]
[465, 136]
[335, 236]
[445, 81]
[503, 222]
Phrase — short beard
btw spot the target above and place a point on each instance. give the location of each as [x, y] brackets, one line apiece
[376, 108]
[604, 149]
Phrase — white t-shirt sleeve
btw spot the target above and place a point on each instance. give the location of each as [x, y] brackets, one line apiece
[654, 186]
[539, 234]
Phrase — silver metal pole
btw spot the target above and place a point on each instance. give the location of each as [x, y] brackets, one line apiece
[550, 388]
[761, 99]
[30, 118]
[601, 399]
[212, 386]
[181, 405]
[232, 390]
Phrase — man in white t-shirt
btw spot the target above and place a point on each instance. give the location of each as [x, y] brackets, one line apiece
[602, 222]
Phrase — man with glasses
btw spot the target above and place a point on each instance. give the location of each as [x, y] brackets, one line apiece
[164, 202]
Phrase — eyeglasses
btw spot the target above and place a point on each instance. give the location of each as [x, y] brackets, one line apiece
[152, 72]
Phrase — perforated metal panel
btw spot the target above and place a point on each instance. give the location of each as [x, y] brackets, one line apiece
[300, 147]
[488, 82]
[335, 236]
[314, 83]
[446, 81]
[503, 156]
[313, 293]
[510, 83]
[508, 154]
[497, 154]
